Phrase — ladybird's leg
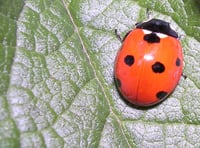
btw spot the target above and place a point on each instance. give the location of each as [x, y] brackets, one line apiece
[184, 76]
[119, 37]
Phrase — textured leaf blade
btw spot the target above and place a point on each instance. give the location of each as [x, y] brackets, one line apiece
[57, 86]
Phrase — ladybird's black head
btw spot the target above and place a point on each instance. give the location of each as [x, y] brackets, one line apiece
[157, 25]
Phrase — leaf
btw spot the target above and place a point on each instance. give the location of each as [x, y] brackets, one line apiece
[57, 88]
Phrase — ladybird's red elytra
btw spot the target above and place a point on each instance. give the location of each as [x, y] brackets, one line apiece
[149, 64]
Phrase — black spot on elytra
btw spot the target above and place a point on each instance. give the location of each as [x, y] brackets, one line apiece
[118, 82]
[129, 60]
[178, 62]
[152, 38]
[158, 67]
[161, 95]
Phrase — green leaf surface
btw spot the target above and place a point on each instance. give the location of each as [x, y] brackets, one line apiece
[56, 75]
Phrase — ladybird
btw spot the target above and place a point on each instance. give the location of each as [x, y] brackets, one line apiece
[149, 64]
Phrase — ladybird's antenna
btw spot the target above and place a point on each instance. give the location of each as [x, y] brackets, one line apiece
[148, 14]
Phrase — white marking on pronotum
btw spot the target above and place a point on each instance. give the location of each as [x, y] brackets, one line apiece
[161, 35]
[146, 31]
